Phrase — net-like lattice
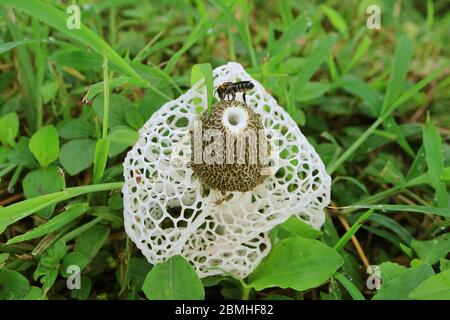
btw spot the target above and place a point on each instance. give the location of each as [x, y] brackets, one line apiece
[168, 212]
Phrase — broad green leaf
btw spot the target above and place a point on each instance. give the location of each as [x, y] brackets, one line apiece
[9, 127]
[391, 270]
[35, 293]
[296, 227]
[433, 153]
[91, 241]
[138, 268]
[75, 128]
[435, 288]
[13, 285]
[77, 155]
[203, 71]
[174, 279]
[430, 251]
[22, 209]
[399, 287]
[58, 20]
[134, 118]
[85, 289]
[123, 137]
[41, 182]
[118, 107]
[296, 263]
[44, 145]
[71, 213]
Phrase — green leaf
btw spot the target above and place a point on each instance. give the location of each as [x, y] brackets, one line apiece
[35, 293]
[296, 263]
[399, 287]
[349, 286]
[361, 89]
[351, 232]
[311, 91]
[296, 227]
[75, 128]
[44, 145]
[118, 107]
[13, 285]
[435, 288]
[406, 208]
[9, 127]
[22, 209]
[41, 182]
[435, 162]
[123, 137]
[431, 251]
[58, 20]
[336, 19]
[138, 269]
[392, 174]
[100, 159]
[174, 279]
[71, 213]
[77, 155]
[314, 61]
[91, 241]
[400, 63]
[134, 118]
[203, 71]
[196, 34]
[85, 289]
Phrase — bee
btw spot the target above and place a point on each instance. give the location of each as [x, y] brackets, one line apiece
[229, 89]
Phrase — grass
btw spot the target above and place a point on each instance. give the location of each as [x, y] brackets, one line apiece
[374, 103]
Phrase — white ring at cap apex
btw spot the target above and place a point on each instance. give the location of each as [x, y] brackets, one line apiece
[235, 119]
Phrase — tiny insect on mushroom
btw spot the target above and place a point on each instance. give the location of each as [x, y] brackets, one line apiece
[218, 214]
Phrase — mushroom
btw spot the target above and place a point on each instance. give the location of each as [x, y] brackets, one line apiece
[218, 214]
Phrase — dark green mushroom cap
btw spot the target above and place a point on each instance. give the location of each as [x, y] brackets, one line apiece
[234, 121]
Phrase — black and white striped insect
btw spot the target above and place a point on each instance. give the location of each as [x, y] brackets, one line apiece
[229, 89]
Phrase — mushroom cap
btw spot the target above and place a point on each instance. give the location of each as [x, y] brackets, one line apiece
[235, 163]
[168, 211]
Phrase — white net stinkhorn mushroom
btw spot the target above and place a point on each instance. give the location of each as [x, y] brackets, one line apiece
[176, 206]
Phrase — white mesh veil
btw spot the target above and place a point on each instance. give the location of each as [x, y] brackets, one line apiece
[167, 212]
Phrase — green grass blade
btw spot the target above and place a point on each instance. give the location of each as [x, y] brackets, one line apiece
[193, 37]
[71, 213]
[204, 71]
[403, 98]
[57, 19]
[20, 210]
[353, 229]
[443, 212]
[349, 286]
[435, 162]
[402, 58]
